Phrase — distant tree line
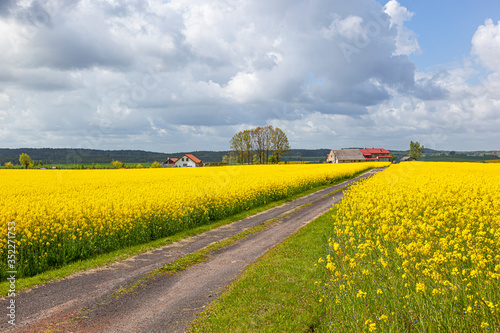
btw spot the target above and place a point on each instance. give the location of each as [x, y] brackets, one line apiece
[260, 145]
[79, 156]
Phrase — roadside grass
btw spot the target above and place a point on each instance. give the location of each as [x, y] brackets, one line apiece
[121, 254]
[277, 293]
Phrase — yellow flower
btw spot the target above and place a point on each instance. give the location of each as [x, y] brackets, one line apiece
[371, 325]
[420, 287]
[360, 294]
[115, 208]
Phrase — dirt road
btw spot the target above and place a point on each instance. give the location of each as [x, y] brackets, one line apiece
[86, 302]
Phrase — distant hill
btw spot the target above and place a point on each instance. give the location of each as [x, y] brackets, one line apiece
[78, 156]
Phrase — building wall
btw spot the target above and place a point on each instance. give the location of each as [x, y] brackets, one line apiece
[185, 162]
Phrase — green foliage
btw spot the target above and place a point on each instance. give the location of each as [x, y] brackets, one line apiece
[155, 164]
[273, 159]
[9, 165]
[139, 165]
[259, 142]
[231, 159]
[416, 150]
[25, 160]
[117, 164]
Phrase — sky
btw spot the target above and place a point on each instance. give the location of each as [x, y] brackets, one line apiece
[185, 75]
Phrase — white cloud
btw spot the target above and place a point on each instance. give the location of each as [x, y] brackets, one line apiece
[406, 41]
[486, 45]
[184, 74]
[350, 27]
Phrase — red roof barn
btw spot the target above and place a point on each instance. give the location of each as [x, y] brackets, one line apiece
[376, 154]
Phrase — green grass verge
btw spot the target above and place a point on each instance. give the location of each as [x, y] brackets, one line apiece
[278, 293]
[121, 254]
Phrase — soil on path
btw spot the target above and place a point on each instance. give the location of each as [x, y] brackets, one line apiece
[85, 302]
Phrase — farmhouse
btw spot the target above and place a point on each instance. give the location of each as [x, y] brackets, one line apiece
[376, 154]
[169, 163]
[358, 155]
[188, 160]
[345, 156]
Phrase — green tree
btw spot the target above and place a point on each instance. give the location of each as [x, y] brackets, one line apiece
[155, 164]
[279, 143]
[9, 165]
[416, 150]
[238, 145]
[242, 146]
[272, 159]
[259, 141]
[117, 164]
[230, 159]
[25, 160]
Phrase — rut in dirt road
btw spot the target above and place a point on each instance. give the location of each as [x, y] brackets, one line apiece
[167, 303]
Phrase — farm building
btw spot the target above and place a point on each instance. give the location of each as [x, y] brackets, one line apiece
[169, 163]
[188, 160]
[358, 155]
[345, 156]
[376, 154]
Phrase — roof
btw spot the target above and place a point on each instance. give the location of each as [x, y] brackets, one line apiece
[170, 160]
[348, 154]
[192, 158]
[370, 151]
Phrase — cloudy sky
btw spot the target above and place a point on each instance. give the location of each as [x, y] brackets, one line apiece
[184, 75]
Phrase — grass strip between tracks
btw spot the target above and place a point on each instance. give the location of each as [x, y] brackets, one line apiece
[277, 293]
[122, 254]
[194, 258]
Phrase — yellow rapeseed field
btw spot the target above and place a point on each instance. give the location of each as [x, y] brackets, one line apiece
[65, 215]
[417, 248]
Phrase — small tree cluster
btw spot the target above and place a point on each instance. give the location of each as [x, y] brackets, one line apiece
[255, 145]
[117, 164]
[25, 160]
